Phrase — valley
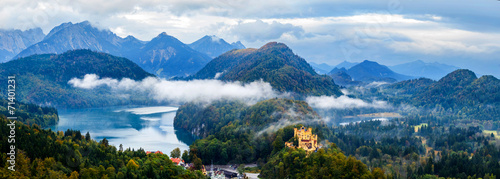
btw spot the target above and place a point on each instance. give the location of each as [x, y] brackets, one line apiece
[92, 104]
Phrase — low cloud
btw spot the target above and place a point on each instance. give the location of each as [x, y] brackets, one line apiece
[342, 102]
[218, 75]
[290, 117]
[207, 91]
[376, 84]
[285, 122]
[204, 91]
[91, 81]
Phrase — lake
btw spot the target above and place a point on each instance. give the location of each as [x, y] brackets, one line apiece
[382, 119]
[150, 128]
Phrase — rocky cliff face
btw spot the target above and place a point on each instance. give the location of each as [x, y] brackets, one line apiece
[14, 41]
[164, 56]
[69, 36]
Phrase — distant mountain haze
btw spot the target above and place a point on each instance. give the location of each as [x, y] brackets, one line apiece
[238, 45]
[164, 55]
[346, 64]
[341, 77]
[337, 70]
[419, 68]
[322, 68]
[369, 71]
[214, 46]
[69, 36]
[399, 72]
[14, 41]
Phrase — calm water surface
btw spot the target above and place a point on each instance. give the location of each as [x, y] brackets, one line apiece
[150, 128]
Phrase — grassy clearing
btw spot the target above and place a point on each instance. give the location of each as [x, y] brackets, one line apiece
[488, 132]
[419, 126]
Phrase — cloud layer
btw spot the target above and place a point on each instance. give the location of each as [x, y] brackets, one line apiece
[342, 102]
[207, 91]
[204, 91]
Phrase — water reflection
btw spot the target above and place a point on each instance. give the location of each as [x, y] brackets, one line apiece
[150, 128]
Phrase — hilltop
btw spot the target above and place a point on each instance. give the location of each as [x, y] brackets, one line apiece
[274, 63]
[43, 79]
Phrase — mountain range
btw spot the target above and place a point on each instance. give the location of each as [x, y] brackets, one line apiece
[69, 36]
[419, 68]
[373, 71]
[274, 63]
[346, 64]
[14, 41]
[367, 71]
[164, 55]
[322, 68]
[214, 46]
[341, 77]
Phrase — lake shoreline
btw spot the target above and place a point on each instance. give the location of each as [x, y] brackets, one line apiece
[135, 126]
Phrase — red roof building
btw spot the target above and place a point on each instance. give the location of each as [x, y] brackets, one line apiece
[177, 161]
[157, 152]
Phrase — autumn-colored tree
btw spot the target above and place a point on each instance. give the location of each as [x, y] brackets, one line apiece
[378, 173]
[74, 175]
[131, 165]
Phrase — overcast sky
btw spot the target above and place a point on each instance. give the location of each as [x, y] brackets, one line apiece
[463, 33]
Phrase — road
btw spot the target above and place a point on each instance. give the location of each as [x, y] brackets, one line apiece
[231, 169]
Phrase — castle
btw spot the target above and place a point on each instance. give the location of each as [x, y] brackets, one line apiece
[306, 140]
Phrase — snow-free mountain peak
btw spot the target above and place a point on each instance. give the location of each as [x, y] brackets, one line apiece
[214, 46]
[163, 56]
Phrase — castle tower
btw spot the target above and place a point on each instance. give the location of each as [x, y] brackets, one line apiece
[306, 140]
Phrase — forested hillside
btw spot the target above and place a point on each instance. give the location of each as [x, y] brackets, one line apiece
[460, 95]
[43, 79]
[30, 113]
[47, 154]
[235, 132]
[457, 89]
[274, 63]
[329, 162]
